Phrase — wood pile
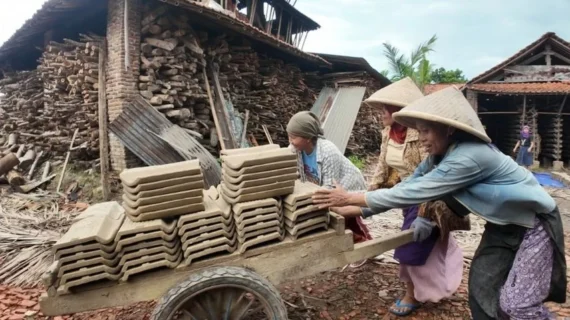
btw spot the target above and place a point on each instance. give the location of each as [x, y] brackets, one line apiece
[45, 106]
[171, 78]
[550, 128]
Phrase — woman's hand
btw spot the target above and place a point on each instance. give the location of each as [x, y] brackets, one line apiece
[373, 187]
[327, 198]
[348, 211]
[529, 150]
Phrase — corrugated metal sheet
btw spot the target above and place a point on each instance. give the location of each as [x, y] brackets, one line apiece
[342, 115]
[323, 103]
[155, 140]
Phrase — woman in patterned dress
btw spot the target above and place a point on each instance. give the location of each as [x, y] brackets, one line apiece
[520, 262]
[526, 144]
[321, 163]
[432, 269]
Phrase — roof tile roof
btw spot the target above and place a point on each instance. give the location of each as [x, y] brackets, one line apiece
[431, 88]
[523, 88]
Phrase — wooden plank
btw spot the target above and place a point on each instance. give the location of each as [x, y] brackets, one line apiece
[337, 223]
[222, 112]
[278, 262]
[213, 109]
[375, 247]
[103, 123]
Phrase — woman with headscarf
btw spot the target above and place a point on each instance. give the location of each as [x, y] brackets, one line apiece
[432, 269]
[526, 144]
[520, 261]
[321, 163]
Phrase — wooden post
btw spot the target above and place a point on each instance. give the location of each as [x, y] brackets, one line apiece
[523, 111]
[214, 112]
[253, 12]
[279, 27]
[243, 132]
[103, 123]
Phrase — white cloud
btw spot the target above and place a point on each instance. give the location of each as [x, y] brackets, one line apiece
[13, 18]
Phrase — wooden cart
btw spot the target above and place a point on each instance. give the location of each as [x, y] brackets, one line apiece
[236, 286]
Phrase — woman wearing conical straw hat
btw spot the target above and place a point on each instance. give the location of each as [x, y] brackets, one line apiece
[432, 269]
[520, 261]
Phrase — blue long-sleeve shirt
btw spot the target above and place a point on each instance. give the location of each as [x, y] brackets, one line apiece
[481, 178]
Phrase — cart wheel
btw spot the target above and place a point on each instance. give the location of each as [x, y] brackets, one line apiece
[222, 293]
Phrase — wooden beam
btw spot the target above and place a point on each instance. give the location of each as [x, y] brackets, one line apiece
[523, 118]
[213, 110]
[562, 104]
[103, 122]
[222, 112]
[561, 57]
[280, 19]
[533, 58]
[548, 55]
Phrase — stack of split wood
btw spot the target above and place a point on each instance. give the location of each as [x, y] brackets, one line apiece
[45, 106]
[172, 64]
[271, 90]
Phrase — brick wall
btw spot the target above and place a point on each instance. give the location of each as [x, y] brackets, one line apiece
[121, 82]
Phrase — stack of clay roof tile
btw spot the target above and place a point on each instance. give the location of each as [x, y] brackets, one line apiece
[103, 245]
[208, 232]
[162, 191]
[300, 215]
[257, 173]
[258, 222]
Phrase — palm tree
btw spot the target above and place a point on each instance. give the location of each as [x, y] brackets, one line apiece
[416, 66]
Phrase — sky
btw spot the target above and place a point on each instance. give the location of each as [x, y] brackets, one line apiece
[472, 35]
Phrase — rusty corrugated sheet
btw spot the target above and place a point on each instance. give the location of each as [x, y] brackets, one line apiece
[324, 102]
[155, 140]
[342, 115]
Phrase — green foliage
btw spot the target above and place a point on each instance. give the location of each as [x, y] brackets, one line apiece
[357, 162]
[416, 65]
[441, 75]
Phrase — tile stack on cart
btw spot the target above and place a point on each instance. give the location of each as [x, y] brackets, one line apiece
[103, 245]
[301, 216]
[163, 191]
[253, 180]
[257, 173]
[208, 232]
[258, 222]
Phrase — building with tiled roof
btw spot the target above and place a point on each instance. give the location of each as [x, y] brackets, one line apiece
[529, 88]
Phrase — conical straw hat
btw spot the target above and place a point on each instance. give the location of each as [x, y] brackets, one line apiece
[398, 94]
[447, 106]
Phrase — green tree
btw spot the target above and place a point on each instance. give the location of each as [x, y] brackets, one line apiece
[441, 75]
[416, 65]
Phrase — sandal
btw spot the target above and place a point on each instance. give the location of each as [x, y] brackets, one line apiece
[408, 308]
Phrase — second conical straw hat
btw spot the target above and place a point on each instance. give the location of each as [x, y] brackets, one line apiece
[447, 106]
[399, 94]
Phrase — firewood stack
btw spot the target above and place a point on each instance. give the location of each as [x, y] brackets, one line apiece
[172, 61]
[566, 139]
[531, 119]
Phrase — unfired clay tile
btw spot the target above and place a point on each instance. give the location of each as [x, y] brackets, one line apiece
[304, 231]
[238, 208]
[233, 152]
[135, 176]
[299, 205]
[129, 227]
[305, 210]
[259, 169]
[263, 188]
[150, 258]
[190, 233]
[259, 218]
[238, 162]
[151, 265]
[302, 191]
[79, 273]
[252, 234]
[78, 281]
[100, 225]
[308, 216]
[192, 240]
[258, 195]
[140, 237]
[191, 182]
[261, 184]
[211, 251]
[87, 263]
[150, 251]
[166, 213]
[135, 211]
[253, 213]
[177, 189]
[205, 222]
[229, 179]
[258, 226]
[209, 243]
[211, 209]
[307, 223]
[259, 240]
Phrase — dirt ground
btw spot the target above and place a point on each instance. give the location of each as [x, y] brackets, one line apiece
[352, 293]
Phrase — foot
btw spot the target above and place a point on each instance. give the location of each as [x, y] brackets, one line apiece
[405, 306]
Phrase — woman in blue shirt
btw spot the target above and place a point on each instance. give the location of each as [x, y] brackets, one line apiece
[520, 262]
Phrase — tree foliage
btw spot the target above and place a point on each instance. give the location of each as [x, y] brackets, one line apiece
[441, 75]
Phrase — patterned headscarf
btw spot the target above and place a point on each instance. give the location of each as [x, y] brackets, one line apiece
[526, 134]
[305, 124]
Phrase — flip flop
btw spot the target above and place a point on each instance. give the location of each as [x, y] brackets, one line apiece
[410, 308]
